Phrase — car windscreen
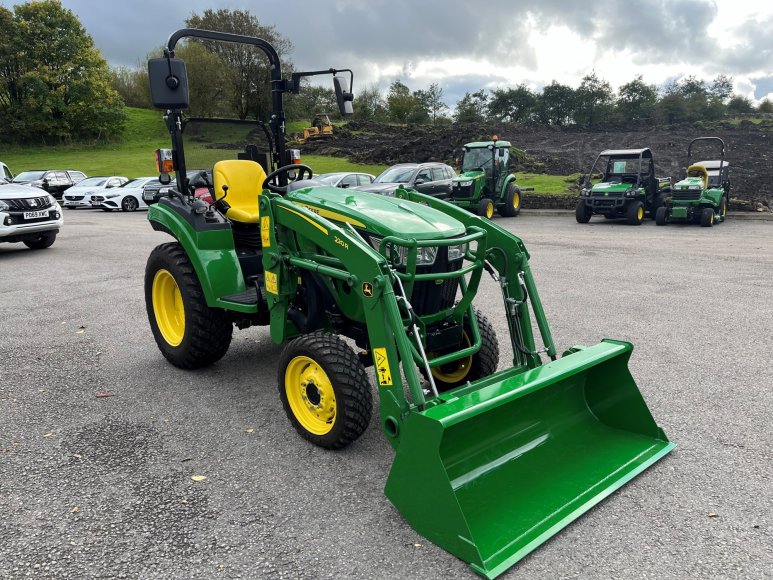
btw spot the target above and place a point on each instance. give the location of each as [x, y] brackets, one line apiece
[329, 178]
[476, 158]
[29, 175]
[396, 175]
[92, 182]
[134, 183]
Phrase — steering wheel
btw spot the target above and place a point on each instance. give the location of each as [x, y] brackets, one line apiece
[303, 172]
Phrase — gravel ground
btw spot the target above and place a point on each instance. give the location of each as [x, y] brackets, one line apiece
[101, 486]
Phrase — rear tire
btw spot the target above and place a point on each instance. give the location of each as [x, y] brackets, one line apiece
[707, 217]
[634, 213]
[722, 209]
[486, 208]
[42, 241]
[324, 390]
[582, 212]
[512, 205]
[129, 203]
[189, 333]
[481, 364]
[661, 216]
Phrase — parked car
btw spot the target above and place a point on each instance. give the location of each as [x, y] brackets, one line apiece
[28, 215]
[429, 178]
[345, 179]
[155, 191]
[5, 173]
[128, 197]
[54, 181]
[81, 195]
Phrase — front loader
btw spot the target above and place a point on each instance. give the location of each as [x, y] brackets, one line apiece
[488, 464]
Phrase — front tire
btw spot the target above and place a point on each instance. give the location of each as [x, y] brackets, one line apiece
[481, 364]
[189, 333]
[707, 217]
[486, 208]
[661, 216]
[582, 213]
[42, 241]
[634, 213]
[324, 390]
[129, 203]
[512, 205]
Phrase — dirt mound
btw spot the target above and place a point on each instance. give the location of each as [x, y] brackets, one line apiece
[563, 151]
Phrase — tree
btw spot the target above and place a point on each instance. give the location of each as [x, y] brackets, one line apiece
[593, 100]
[636, 100]
[739, 105]
[721, 88]
[765, 106]
[54, 84]
[514, 105]
[471, 108]
[371, 105]
[434, 102]
[248, 83]
[556, 104]
[420, 113]
[400, 102]
[131, 84]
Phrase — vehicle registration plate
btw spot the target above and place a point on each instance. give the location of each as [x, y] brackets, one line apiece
[34, 215]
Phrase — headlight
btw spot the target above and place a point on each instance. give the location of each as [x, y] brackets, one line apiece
[630, 193]
[112, 195]
[388, 192]
[424, 256]
[456, 252]
[585, 192]
[51, 199]
[163, 190]
[465, 183]
[4, 206]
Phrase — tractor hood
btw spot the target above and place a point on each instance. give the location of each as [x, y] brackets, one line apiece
[614, 187]
[378, 214]
[467, 175]
[693, 183]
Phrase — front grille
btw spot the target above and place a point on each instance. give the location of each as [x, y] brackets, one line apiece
[28, 204]
[74, 197]
[429, 297]
[686, 194]
[461, 190]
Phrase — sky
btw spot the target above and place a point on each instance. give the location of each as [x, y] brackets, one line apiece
[468, 45]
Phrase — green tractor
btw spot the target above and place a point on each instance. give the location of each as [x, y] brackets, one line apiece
[488, 463]
[702, 193]
[627, 188]
[485, 184]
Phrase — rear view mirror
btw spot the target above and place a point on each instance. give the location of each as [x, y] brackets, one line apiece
[168, 83]
[343, 96]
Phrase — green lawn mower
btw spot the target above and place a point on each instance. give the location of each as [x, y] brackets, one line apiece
[488, 464]
[702, 193]
[627, 188]
[485, 184]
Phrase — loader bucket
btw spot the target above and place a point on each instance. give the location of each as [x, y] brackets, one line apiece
[507, 462]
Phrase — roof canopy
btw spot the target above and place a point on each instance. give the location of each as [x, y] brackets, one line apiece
[627, 153]
[484, 144]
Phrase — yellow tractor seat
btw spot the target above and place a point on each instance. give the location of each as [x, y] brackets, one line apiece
[244, 180]
[697, 170]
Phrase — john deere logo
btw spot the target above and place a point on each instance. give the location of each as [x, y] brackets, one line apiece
[367, 289]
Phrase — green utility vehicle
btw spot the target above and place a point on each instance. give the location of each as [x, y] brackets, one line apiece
[485, 183]
[702, 193]
[627, 188]
[488, 464]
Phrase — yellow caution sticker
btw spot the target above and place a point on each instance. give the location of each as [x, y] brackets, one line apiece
[367, 289]
[382, 367]
[271, 283]
[265, 231]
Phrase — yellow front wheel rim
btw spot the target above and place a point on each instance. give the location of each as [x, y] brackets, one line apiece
[458, 373]
[168, 307]
[489, 209]
[640, 213]
[516, 200]
[310, 395]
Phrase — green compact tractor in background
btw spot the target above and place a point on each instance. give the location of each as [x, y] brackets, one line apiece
[702, 193]
[484, 183]
[488, 464]
[628, 187]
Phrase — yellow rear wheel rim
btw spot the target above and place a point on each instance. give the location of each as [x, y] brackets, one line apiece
[310, 395]
[490, 209]
[516, 200]
[168, 307]
[455, 371]
[640, 213]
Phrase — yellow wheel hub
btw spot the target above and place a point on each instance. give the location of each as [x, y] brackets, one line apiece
[168, 307]
[490, 209]
[640, 213]
[516, 200]
[455, 371]
[310, 395]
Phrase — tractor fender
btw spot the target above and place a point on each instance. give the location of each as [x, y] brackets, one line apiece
[507, 181]
[211, 252]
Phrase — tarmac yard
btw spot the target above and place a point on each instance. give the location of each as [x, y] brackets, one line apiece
[113, 463]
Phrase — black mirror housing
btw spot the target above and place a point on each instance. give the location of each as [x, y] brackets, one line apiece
[343, 96]
[168, 83]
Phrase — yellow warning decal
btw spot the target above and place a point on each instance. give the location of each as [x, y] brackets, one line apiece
[265, 231]
[382, 367]
[331, 215]
[271, 283]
